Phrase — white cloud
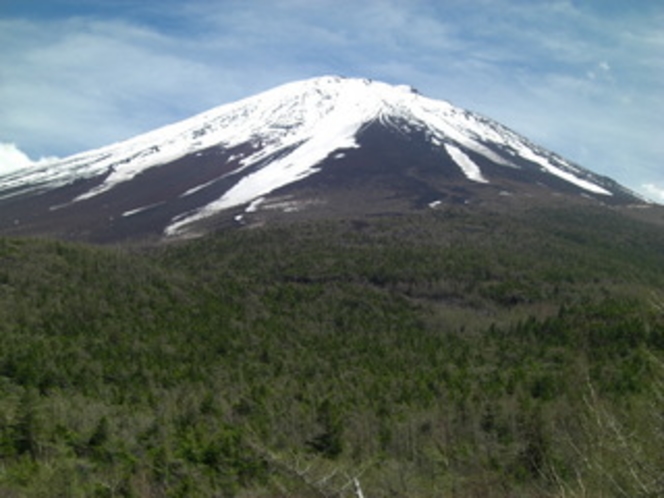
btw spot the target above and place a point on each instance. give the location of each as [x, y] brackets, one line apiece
[77, 84]
[12, 159]
[654, 192]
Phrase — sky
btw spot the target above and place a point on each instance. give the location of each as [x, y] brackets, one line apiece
[583, 78]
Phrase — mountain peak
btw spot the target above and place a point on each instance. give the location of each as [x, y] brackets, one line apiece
[327, 129]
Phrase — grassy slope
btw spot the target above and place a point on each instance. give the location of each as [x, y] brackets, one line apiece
[437, 354]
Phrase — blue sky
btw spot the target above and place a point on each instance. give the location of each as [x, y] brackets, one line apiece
[582, 78]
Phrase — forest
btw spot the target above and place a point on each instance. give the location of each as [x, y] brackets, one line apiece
[447, 353]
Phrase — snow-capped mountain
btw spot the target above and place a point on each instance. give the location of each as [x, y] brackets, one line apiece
[326, 143]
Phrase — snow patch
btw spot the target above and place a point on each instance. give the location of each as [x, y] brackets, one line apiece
[469, 168]
[133, 212]
[197, 188]
[253, 206]
[287, 206]
[530, 155]
[446, 123]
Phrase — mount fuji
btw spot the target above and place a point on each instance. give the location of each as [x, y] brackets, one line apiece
[328, 146]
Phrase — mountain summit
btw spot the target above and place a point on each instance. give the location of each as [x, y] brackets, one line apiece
[328, 145]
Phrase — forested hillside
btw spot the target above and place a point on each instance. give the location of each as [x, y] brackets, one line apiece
[449, 353]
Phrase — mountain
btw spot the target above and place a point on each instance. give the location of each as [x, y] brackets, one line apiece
[461, 313]
[327, 146]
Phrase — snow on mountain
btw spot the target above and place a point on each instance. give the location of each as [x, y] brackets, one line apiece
[291, 130]
[470, 169]
[325, 115]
